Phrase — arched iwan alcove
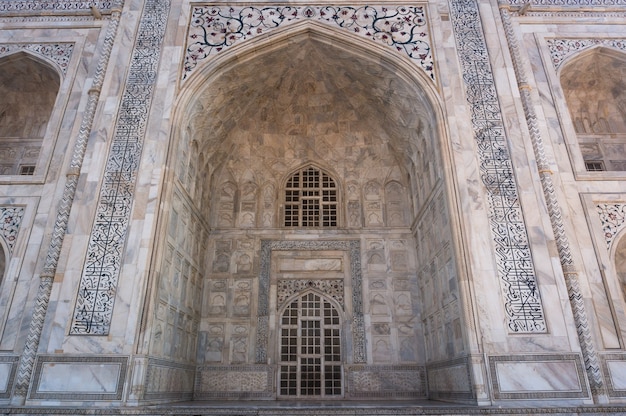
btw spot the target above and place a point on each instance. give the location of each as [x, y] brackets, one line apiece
[28, 88]
[595, 91]
[306, 103]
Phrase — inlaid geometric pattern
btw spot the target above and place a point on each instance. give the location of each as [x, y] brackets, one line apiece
[215, 28]
[613, 217]
[60, 53]
[96, 296]
[515, 265]
[561, 49]
[10, 220]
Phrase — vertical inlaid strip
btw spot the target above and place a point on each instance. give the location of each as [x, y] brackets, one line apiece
[96, 296]
[524, 310]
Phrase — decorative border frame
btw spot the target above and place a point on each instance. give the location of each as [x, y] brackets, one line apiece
[583, 393]
[268, 369]
[34, 6]
[389, 372]
[358, 324]
[49, 358]
[14, 360]
[604, 359]
[155, 362]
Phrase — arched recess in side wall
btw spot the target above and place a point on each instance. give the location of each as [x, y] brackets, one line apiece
[29, 88]
[306, 95]
[594, 84]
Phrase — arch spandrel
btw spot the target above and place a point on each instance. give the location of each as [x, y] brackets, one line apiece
[213, 29]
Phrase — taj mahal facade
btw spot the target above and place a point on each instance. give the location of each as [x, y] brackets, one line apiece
[335, 202]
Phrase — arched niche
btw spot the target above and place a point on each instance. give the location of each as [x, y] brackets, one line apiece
[594, 84]
[259, 111]
[28, 87]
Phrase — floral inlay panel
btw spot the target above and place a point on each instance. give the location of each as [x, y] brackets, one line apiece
[10, 220]
[613, 218]
[59, 53]
[561, 49]
[215, 28]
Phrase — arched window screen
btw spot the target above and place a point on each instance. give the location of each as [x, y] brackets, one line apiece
[310, 356]
[310, 199]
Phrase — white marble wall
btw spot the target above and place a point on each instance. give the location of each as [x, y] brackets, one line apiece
[443, 299]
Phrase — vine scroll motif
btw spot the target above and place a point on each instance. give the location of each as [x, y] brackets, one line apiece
[613, 218]
[561, 49]
[10, 220]
[59, 53]
[215, 28]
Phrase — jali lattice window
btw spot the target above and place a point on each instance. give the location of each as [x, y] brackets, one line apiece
[310, 199]
[310, 355]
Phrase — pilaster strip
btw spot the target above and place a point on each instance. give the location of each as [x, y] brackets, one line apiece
[554, 210]
[524, 310]
[27, 360]
[97, 291]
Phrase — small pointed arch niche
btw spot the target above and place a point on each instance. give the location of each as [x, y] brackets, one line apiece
[594, 85]
[29, 87]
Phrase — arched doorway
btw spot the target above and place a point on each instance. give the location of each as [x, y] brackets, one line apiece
[310, 348]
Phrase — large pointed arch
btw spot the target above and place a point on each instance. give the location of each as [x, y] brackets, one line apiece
[307, 94]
